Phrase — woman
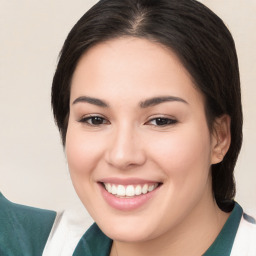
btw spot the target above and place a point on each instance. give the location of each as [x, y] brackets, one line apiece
[146, 96]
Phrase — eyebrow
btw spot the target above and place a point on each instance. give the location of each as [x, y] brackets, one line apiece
[144, 104]
[158, 100]
[91, 100]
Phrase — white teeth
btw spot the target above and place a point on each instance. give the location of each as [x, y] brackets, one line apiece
[138, 190]
[151, 188]
[108, 187]
[145, 189]
[113, 190]
[130, 190]
[120, 190]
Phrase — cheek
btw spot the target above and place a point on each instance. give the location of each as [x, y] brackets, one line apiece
[83, 153]
[185, 160]
[184, 154]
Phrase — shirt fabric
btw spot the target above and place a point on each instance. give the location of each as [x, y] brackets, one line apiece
[67, 231]
[95, 243]
[24, 230]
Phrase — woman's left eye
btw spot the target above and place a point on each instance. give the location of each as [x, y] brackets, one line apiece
[162, 121]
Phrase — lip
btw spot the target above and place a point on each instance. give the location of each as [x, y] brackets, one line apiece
[126, 204]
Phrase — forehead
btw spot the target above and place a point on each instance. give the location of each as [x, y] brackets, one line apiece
[128, 53]
[123, 66]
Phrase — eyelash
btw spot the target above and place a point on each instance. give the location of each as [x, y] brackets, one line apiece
[159, 121]
[162, 121]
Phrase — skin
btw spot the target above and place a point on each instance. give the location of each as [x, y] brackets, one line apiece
[128, 142]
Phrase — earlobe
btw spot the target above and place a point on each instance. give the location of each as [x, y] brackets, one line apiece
[221, 138]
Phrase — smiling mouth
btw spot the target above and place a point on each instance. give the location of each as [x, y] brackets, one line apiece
[130, 191]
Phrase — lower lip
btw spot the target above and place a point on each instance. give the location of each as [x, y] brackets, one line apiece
[126, 204]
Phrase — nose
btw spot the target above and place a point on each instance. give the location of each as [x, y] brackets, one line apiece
[125, 149]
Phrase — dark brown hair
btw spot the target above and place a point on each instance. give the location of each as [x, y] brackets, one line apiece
[198, 37]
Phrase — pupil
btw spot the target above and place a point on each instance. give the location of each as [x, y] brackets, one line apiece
[97, 120]
[161, 121]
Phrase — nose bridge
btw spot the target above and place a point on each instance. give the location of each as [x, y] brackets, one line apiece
[125, 148]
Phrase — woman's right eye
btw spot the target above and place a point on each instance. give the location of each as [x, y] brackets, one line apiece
[94, 120]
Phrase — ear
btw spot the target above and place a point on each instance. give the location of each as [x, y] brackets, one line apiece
[221, 138]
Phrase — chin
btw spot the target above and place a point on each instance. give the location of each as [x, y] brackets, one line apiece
[128, 231]
[128, 236]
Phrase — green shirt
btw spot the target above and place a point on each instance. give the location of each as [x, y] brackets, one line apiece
[223, 244]
[95, 243]
[23, 230]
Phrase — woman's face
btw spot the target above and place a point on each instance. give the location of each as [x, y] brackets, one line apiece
[138, 145]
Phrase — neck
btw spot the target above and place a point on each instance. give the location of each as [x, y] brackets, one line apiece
[191, 237]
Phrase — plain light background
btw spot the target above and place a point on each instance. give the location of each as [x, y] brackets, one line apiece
[33, 169]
